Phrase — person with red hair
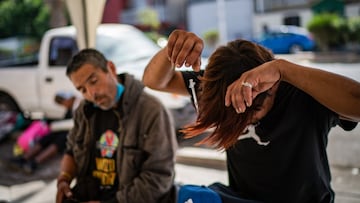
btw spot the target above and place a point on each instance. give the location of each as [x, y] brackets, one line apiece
[271, 116]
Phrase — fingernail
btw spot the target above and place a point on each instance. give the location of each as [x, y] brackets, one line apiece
[187, 64]
[238, 110]
[68, 194]
[178, 65]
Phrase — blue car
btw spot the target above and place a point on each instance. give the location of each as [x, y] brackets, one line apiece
[287, 40]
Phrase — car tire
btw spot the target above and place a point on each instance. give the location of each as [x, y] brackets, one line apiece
[7, 103]
[295, 48]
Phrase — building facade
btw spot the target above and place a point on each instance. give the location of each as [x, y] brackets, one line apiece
[232, 18]
[272, 13]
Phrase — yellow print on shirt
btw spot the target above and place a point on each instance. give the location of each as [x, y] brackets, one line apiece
[105, 171]
[106, 165]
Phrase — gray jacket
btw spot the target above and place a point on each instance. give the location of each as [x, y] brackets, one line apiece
[146, 153]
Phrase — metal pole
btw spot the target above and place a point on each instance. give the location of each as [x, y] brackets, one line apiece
[222, 21]
[86, 34]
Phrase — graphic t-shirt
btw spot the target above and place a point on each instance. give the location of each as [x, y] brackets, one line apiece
[287, 162]
[104, 164]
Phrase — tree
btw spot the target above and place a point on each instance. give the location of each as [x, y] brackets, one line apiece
[324, 28]
[58, 14]
[149, 17]
[211, 37]
[354, 29]
[332, 31]
[23, 18]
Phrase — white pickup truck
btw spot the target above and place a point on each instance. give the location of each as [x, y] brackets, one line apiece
[31, 88]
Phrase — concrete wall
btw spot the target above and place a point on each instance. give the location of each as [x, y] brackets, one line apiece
[277, 18]
[238, 22]
[238, 14]
[352, 10]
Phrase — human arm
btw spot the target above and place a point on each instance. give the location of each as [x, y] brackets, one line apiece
[336, 92]
[183, 48]
[69, 164]
[65, 177]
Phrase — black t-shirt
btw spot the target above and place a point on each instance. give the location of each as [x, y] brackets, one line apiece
[103, 163]
[290, 164]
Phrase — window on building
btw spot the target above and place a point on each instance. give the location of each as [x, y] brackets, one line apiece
[292, 20]
[271, 5]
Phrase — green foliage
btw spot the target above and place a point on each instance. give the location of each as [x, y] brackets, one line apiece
[211, 37]
[325, 29]
[149, 17]
[23, 18]
[354, 29]
[333, 31]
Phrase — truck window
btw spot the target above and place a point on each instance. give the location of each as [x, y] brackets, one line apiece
[61, 50]
[19, 51]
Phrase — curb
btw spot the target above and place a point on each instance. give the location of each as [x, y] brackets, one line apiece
[323, 57]
[202, 157]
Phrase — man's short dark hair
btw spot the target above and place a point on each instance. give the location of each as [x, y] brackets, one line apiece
[87, 56]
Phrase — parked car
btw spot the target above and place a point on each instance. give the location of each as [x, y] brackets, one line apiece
[31, 86]
[287, 40]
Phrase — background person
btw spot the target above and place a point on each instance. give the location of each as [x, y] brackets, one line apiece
[50, 144]
[292, 109]
[122, 147]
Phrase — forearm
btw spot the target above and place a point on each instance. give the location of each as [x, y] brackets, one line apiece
[161, 75]
[159, 71]
[336, 92]
[67, 169]
[67, 173]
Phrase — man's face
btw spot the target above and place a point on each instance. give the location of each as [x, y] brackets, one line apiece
[95, 85]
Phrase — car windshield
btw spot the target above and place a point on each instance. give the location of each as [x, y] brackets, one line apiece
[126, 46]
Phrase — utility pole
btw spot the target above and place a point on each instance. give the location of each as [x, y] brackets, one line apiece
[222, 21]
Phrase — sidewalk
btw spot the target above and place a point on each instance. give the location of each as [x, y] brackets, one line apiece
[189, 170]
[195, 165]
[42, 191]
[345, 180]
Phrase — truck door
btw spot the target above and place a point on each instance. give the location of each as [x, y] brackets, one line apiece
[54, 79]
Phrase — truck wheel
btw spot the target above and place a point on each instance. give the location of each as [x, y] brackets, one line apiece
[8, 104]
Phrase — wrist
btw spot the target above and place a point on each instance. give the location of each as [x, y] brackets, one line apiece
[61, 183]
[280, 66]
[64, 177]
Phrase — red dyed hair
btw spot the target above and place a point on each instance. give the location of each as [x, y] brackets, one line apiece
[225, 66]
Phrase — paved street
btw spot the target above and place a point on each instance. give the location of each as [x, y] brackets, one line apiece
[44, 192]
[346, 180]
[204, 166]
